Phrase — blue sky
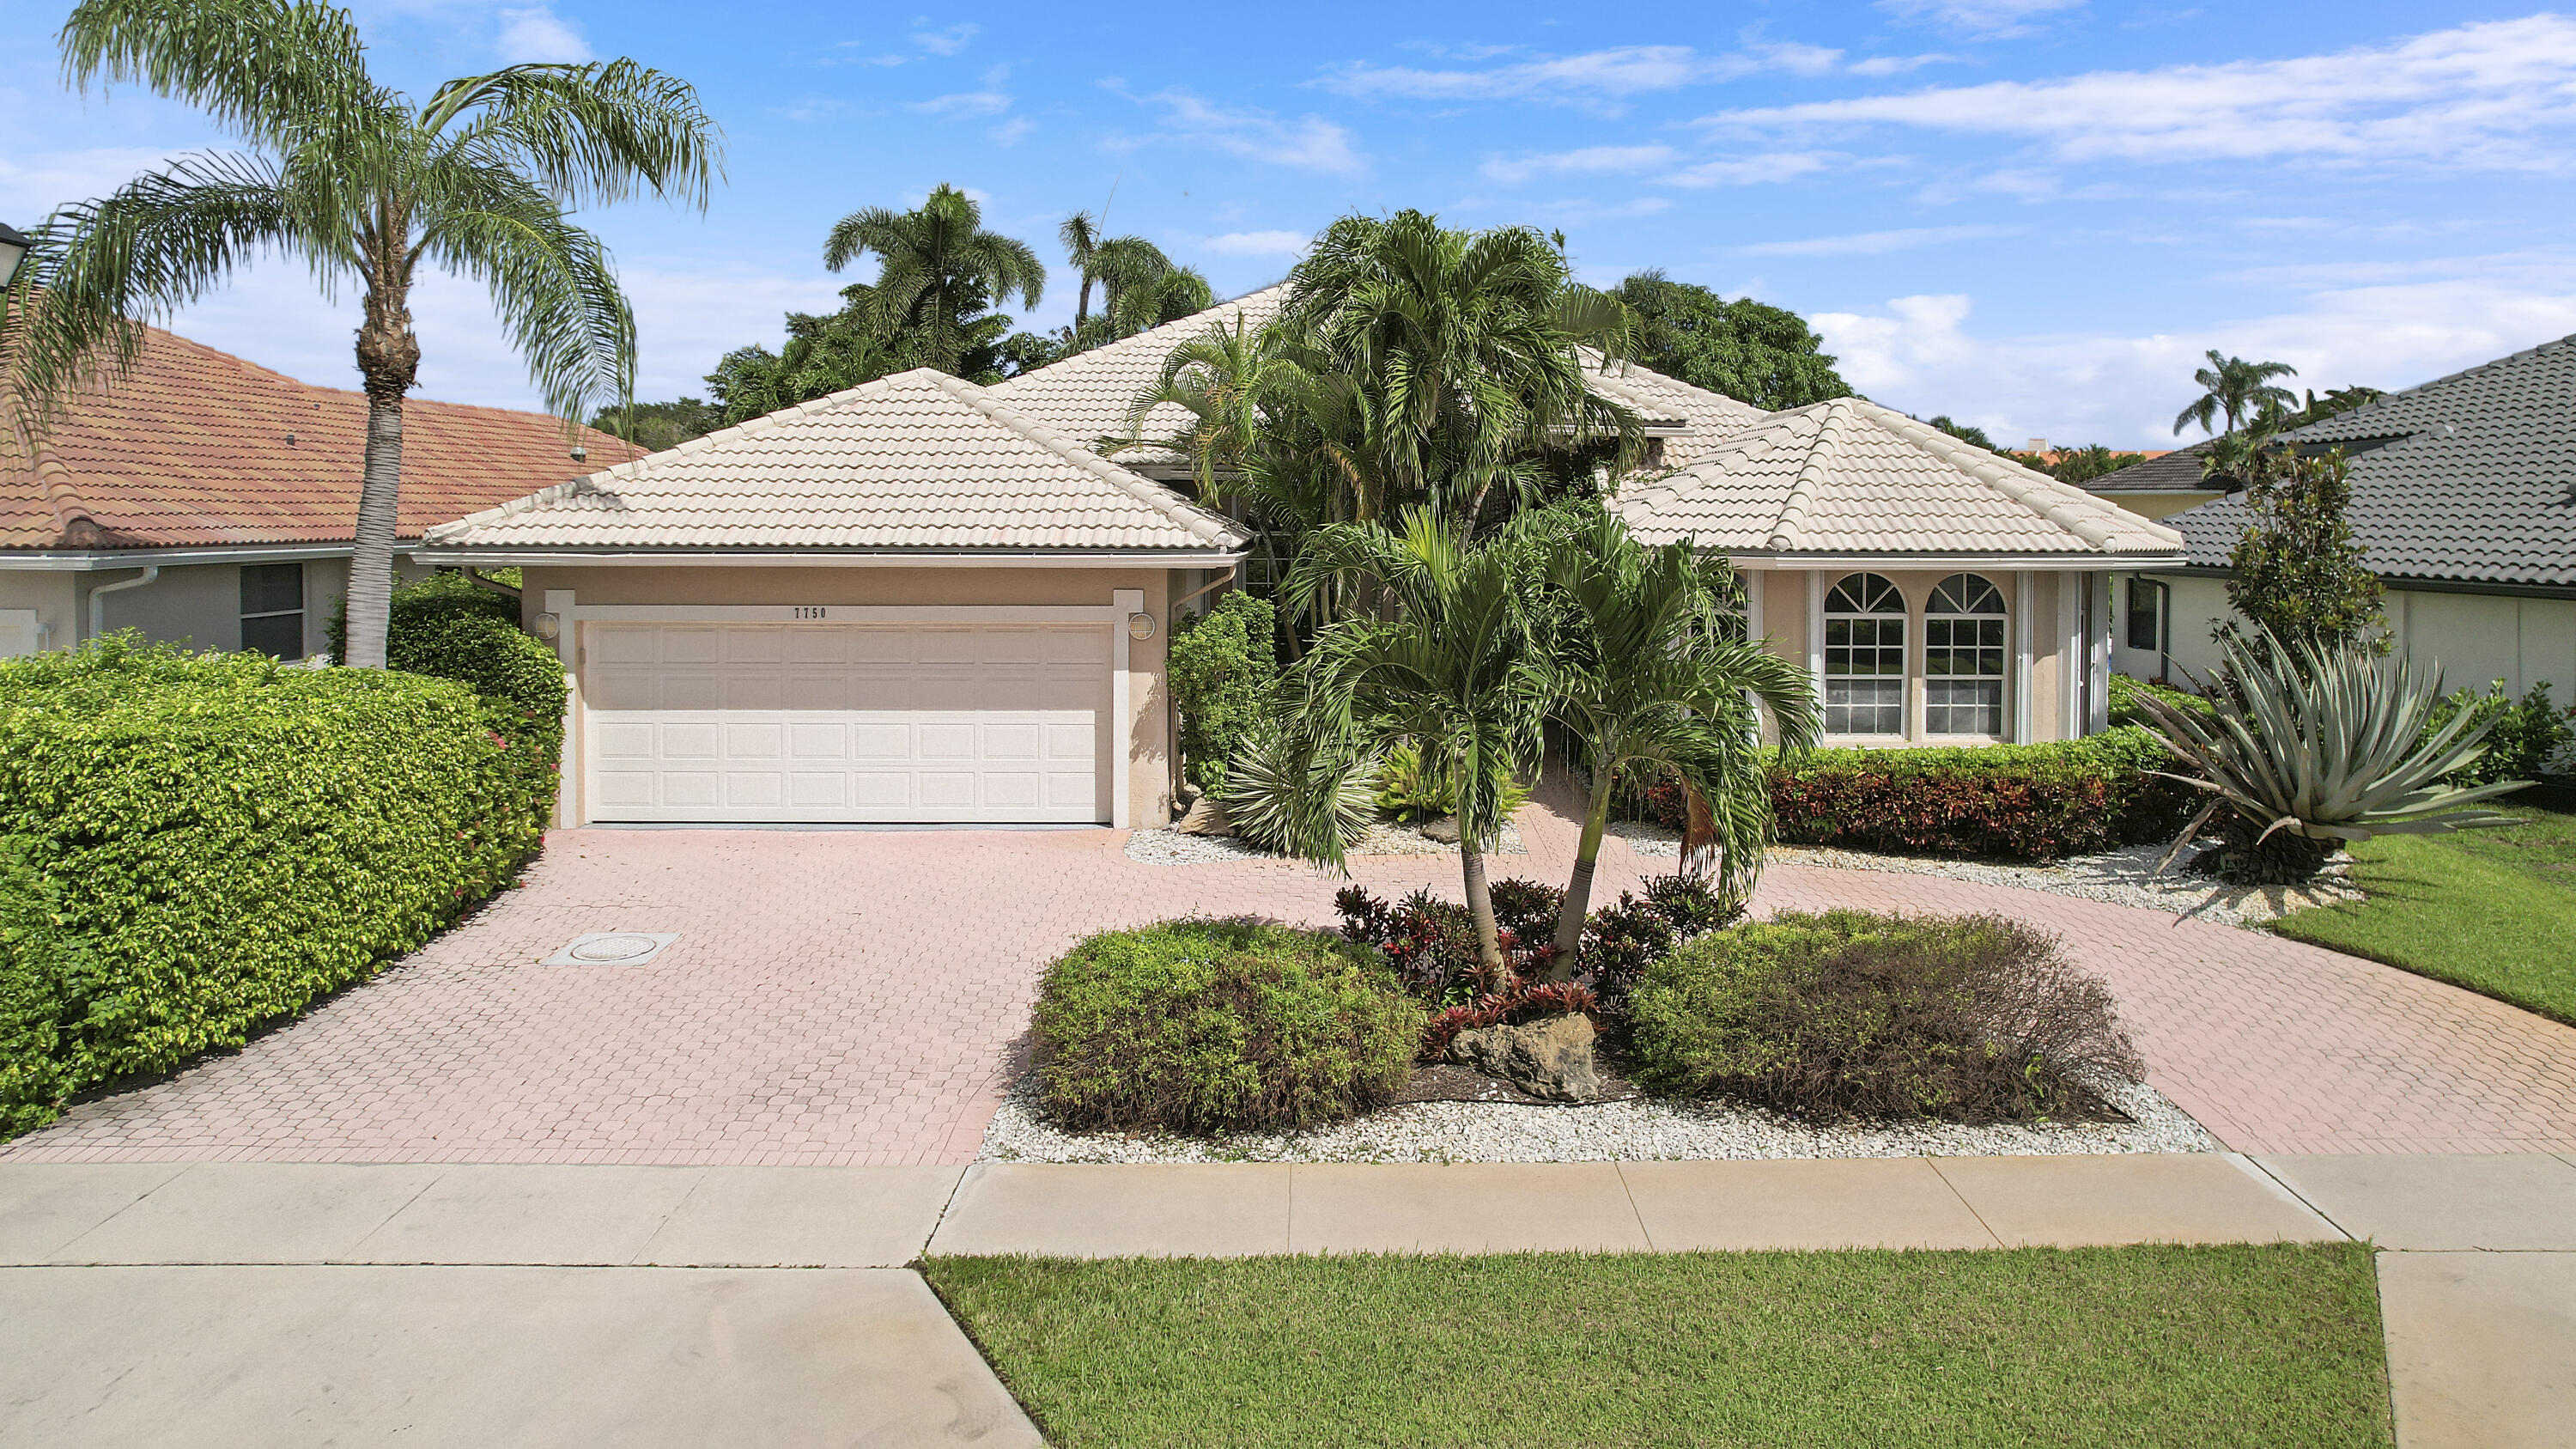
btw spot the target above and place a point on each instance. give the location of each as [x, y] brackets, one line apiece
[2030, 214]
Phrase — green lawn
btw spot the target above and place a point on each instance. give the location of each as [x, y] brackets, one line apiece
[2271, 1345]
[2491, 910]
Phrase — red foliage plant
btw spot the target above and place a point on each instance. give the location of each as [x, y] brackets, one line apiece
[1525, 1002]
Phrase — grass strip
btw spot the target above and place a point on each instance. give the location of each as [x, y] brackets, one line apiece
[2276, 1345]
[2490, 910]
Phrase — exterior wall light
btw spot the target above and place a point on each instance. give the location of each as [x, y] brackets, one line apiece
[1140, 626]
[549, 627]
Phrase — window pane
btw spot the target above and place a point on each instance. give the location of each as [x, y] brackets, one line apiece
[2146, 611]
[272, 588]
[281, 635]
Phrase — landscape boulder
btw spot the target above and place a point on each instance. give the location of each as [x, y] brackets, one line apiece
[1550, 1057]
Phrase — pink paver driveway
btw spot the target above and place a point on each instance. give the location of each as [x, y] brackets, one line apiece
[854, 997]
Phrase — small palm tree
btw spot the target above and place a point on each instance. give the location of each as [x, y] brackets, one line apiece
[937, 268]
[2235, 389]
[1444, 666]
[363, 185]
[1640, 671]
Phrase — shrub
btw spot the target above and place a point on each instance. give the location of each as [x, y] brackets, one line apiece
[2010, 802]
[218, 840]
[449, 627]
[1526, 1001]
[1212, 1026]
[2126, 692]
[1276, 794]
[1430, 944]
[1413, 791]
[1854, 1014]
[2528, 738]
[1622, 939]
[1224, 665]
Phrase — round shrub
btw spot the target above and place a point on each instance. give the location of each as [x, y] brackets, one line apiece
[1212, 1026]
[1849, 1013]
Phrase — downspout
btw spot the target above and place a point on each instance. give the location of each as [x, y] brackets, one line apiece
[1171, 702]
[98, 597]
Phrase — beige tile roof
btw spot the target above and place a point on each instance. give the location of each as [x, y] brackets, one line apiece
[1089, 393]
[919, 460]
[1707, 416]
[1849, 477]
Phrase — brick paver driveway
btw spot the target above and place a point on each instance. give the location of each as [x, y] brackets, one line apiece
[842, 997]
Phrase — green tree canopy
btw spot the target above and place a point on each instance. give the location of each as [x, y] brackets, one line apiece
[2297, 573]
[2236, 390]
[1751, 352]
[940, 274]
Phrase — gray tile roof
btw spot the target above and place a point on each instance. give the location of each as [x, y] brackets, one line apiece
[2174, 472]
[1850, 476]
[2467, 479]
[919, 460]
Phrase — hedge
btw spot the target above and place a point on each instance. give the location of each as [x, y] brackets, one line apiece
[450, 627]
[1224, 665]
[195, 844]
[2011, 802]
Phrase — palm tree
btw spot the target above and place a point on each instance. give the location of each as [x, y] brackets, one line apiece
[1445, 666]
[937, 269]
[362, 185]
[1639, 670]
[2236, 389]
[1080, 234]
[1140, 286]
[1468, 347]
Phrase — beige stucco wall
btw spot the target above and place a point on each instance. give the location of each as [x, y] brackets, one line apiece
[1148, 726]
[2472, 638]
[197, 606]
[50, 595]
[1785, 622]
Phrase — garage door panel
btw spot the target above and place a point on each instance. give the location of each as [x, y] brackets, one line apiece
[847, 722]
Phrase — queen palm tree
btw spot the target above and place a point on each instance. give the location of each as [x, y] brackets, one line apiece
[2236, 389]
[937, 269]
[363, 185]
[1469, 350]
[1444, 666]
[1639, 669]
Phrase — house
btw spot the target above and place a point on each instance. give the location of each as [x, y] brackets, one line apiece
[924, 600]
[2464, 493]
[204, 500]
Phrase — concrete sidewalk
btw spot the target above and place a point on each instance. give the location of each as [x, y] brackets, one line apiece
[290, 1304]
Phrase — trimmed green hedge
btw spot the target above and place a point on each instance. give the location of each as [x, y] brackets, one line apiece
[195, 844]
[1224, 665]
[1215, 1026]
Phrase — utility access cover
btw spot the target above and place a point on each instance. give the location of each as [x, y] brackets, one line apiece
[612, 948]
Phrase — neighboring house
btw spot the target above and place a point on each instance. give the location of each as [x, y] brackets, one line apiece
[925, 600]
[203, 500]
[2162, 486]
[2464, 493]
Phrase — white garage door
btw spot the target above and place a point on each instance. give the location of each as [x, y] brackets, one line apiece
[848, 722]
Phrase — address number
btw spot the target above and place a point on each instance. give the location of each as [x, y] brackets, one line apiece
[811, 611]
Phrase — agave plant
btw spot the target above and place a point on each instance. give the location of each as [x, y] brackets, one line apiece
[2312, 750]
[1281, 789]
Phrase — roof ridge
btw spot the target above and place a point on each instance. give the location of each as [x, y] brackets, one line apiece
[1792, 519]
[1083, 360]
[2388, 400]
[2071, 508]
[1202, 524]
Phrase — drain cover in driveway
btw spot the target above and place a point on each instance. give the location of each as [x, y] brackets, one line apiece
[612, 948]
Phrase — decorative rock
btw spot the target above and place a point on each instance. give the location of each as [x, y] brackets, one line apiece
[1444, 830]
[1550, 1058]
[1206, 817]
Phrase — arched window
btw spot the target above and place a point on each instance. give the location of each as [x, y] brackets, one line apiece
[1963, 658]
[1864, 657]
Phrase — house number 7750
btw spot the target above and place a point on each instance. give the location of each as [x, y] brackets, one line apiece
[810, 611]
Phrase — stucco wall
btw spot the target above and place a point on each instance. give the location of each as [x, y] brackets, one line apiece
[2474, 638]
[50, 595]
[1148, 698]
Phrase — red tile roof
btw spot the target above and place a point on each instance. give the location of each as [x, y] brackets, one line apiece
[195, 447]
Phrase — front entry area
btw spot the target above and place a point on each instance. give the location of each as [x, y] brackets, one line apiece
[848, 723]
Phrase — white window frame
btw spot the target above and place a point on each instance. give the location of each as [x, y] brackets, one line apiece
[1879, 618]
[2001, 616]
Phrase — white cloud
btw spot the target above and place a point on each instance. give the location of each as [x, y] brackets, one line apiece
[1589, 159]
[1309, 143]
[1916, 353]
[1874, 243]
[992, 100]
[1593, 76]
[2481, 96]
[1259, 243]
[539, 35]
[1992, 18]
[946, 42]
[1013, 131]
[1898, 64]
[1755, 169]
[35, 183]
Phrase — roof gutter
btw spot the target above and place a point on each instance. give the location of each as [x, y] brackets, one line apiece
[2069, 560]
[98, 597]
[489, 557]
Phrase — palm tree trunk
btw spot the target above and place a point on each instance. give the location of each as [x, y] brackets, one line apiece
[1480, 908]
[389, 361]
[1578, 890]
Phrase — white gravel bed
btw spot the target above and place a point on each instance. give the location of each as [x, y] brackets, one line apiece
[1171, 847]
[1645, 1130]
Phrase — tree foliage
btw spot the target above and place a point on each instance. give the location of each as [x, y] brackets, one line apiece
[1763, 355]
[940, 274]
[2297, 573]
[656, 426]
[2236, 390]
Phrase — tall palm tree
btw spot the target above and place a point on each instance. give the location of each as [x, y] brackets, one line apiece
[937, 268]
[2236, 389]
[1469, 347]
[1080, 234]
[1639, 670]
[1445, 666]
[363, 185]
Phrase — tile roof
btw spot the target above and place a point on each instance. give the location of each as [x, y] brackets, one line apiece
[919, 460]
[2177, 471]
[1850, 476]
[1089, 393]
[2475, 481]
[195, 447]
[1706, 416]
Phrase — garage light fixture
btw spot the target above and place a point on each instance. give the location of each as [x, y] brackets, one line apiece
[1140, 626]
[549, 627]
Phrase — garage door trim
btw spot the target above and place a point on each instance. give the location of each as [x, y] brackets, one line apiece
[571, 615]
